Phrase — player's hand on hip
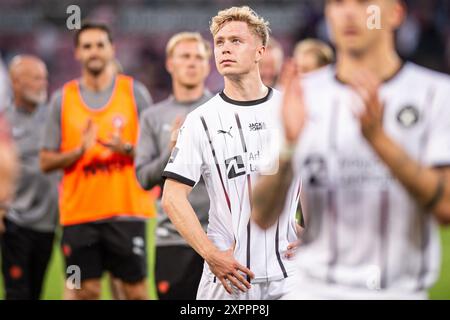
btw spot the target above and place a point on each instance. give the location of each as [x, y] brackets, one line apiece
[176, 125]
[367, 86]
[293, 107]
[228, 270]
[292, 249]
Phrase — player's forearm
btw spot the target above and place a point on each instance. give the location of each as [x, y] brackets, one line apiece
[149, 173]
[268, 199]
[430, 187]
[53, 160]
[8, 170]
[183, 217]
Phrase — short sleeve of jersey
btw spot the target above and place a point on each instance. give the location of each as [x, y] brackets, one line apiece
[437, 152]
[186, 160]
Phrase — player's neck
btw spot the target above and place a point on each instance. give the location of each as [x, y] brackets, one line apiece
[98, 82]
[382, 62]
[246, 88]
[187, 94]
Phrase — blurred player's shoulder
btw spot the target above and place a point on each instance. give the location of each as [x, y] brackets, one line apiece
[419, 76]
[209, 106]
[320, 79]
[277, 95]
[156, 109]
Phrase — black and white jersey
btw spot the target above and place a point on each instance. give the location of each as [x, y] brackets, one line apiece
[226, 142]
[364, 230]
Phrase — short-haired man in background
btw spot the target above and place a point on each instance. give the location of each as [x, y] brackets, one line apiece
[178, 266]
[91, 133]
[312, 54]
[32, 216]
[271, 64]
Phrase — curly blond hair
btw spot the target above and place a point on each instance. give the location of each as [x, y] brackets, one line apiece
[256, 24]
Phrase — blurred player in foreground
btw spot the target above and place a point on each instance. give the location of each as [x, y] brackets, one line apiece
[8, 168]
[370, 138]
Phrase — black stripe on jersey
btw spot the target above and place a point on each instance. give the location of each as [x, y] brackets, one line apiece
[425, 227]
[277, 251]
[177, 177]
[248, 247]
[205, 127]
[241, 134]
[332, 212]
[384, 237]
[249, 188]
[247, 103]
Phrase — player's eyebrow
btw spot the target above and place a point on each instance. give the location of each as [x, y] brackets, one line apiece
[232, 36]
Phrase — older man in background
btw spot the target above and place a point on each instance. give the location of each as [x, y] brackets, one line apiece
[31, 217]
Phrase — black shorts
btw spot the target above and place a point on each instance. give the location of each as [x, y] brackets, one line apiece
[178, 271]
[25, 257]
[117, 246]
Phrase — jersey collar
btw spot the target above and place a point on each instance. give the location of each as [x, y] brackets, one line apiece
[385, 81]
[247, 103]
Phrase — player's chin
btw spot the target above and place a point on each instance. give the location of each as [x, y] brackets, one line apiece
[192, 83]
[97, 69]
[353, 45]
[228, 72]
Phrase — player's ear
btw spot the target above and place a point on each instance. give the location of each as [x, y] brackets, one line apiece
[398, 13]
[169, 65]
[76, 53]
[208, 68]
[260, 53]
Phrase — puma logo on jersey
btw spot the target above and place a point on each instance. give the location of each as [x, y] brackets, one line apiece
[235, 167]
[226, 132]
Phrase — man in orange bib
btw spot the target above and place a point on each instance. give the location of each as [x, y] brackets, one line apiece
[91, 132]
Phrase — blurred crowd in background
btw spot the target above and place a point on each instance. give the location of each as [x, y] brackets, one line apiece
[142, 27]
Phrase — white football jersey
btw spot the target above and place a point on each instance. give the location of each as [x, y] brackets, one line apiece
[226, 142]
[364, 230]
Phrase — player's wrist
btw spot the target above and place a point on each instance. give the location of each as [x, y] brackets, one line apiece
[287, 151]
[80, 151]
[376, 137]
[373, 133]
[210, 254]
[127, 148]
